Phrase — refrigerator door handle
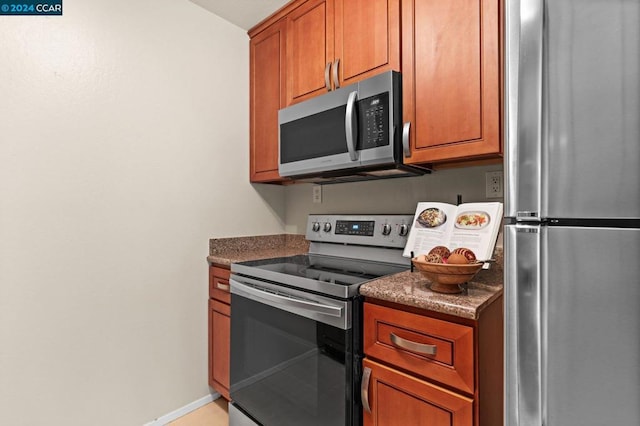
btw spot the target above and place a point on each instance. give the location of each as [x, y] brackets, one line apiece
[525, 326]
[523, 87]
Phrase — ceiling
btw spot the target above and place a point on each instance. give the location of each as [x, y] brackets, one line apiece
[243, 13]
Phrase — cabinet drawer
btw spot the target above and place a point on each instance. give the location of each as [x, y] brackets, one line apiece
[219, 284]
[429, 347]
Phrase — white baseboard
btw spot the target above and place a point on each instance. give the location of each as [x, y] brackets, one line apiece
[163, 420]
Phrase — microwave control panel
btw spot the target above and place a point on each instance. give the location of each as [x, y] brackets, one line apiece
[374, 121]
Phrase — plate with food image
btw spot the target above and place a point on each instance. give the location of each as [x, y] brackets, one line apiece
[431, 218]
[472, 220]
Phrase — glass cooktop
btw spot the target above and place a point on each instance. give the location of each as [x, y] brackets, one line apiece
[336, 276]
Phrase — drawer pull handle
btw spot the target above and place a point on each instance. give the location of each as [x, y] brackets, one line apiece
[224, 287]
[364, 389]
[420, 348]
[327, 76]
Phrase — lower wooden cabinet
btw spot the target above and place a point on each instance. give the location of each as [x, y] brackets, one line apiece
[396, 398]
[219, 329]
[426, 368]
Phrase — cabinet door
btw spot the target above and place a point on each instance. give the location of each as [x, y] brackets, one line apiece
[396, 398]
[210, 345]
[451, 80]
[367, 38]
[220, 324]
[267, 81]
[309, 49]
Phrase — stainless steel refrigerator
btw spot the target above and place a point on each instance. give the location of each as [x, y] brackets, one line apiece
[572, 203]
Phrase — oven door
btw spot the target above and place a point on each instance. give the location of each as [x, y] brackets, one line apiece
[293, 357]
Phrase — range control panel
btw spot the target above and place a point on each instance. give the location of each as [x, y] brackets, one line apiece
[371, 230]
[355, 227]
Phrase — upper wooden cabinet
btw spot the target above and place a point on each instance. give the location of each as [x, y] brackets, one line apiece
[267, 96]
[332, 43]
[310, 49]
[451, 79]
[448, 53]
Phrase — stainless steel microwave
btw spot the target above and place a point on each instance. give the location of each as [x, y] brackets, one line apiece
[352, 133]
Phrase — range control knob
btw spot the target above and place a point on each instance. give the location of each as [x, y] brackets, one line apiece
[404, 230]
[386, 229]
[327, 227]
[315, 227]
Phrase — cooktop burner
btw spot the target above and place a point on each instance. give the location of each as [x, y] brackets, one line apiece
[323, 268]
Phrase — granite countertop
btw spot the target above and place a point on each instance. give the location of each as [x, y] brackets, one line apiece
[225, 251]
[413, 289]
[405, 288]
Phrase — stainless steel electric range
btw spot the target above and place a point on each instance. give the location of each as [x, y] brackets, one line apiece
[296, 323]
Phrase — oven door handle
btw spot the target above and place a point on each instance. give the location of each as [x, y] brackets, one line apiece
[282, 299]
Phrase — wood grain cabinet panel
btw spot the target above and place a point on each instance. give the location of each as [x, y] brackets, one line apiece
[267, 94]
[309, 49]
[396, 398]
[333, 43]
[452, 362]
[451, 79]
[221, 323]
[445, 371]
[219, 329]
[367, 38]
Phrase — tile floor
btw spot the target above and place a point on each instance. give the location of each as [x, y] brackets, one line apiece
[212, 414]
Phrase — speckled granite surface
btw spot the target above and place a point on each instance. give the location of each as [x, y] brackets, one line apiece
[406, 288]
[413, 289]
[225, 251]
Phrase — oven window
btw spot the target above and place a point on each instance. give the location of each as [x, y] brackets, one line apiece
[287, 369]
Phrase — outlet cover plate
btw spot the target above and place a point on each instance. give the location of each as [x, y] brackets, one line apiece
[317, 194]
[494, 184]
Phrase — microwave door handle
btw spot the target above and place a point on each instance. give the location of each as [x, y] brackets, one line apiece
[351, 126]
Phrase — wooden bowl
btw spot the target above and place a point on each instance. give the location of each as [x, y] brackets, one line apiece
[446, 278]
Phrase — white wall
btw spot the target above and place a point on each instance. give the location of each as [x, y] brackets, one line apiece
[123, 149]
[387, 196]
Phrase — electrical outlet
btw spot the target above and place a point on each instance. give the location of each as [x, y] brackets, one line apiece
[317, 194]
[494, 184]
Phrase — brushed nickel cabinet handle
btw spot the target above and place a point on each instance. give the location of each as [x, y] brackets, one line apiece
[336, 80]
[420, 348]
[327, 76]
[221, 286]
[364, 389]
